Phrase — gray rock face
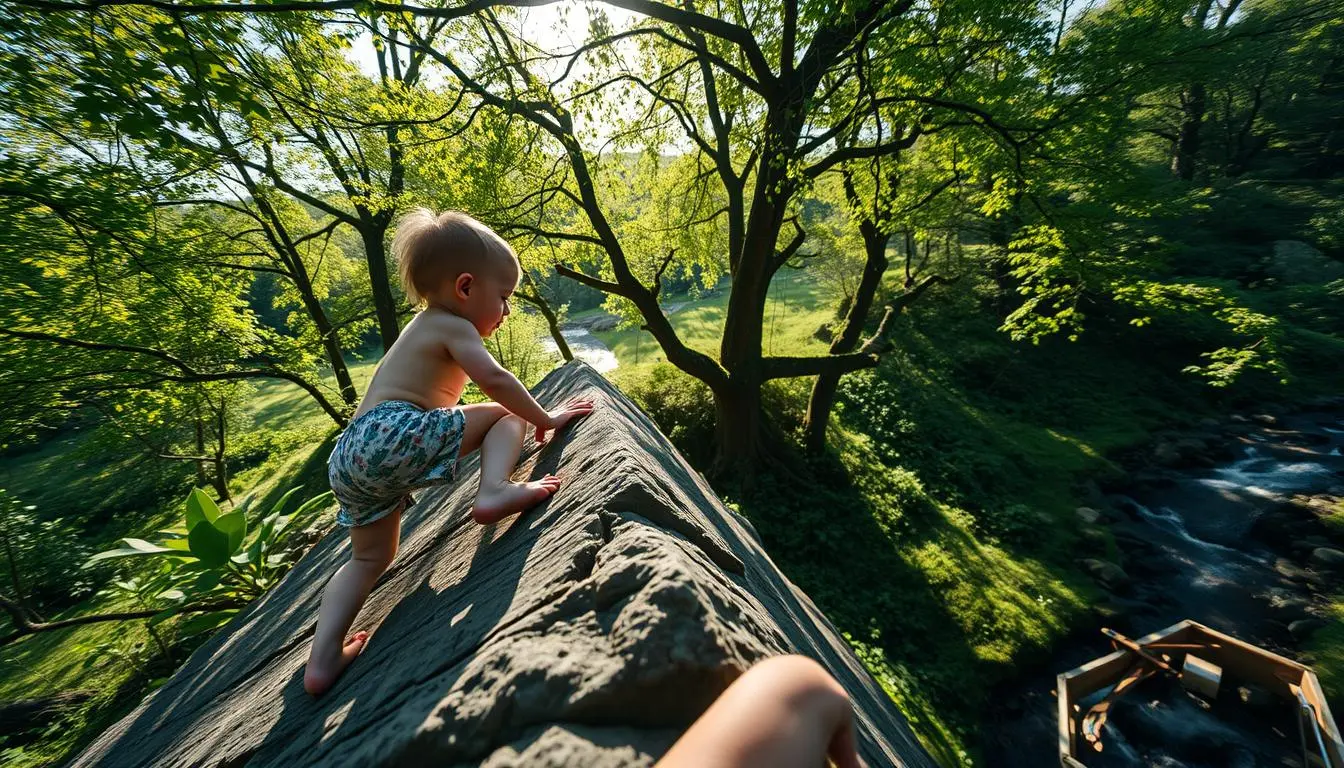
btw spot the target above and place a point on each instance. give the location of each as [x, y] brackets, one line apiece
[590, 631]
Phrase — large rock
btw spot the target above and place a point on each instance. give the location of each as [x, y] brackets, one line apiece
[589, 632]
[1328, 558]
[1106, 573]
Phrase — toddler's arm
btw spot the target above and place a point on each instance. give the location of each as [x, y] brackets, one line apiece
[464, 344]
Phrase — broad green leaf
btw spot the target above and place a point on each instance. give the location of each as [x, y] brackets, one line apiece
[279, 506]
[312, 505]
[172, 594]
[209, 544]
[235, 525]
[200, 507]
[207, 581]
[133, 547]
[204, 622]
[179, 545]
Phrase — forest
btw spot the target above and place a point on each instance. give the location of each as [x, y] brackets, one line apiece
[910, 281]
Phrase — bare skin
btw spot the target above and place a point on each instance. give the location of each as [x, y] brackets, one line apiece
[785, 712]
[429, 365]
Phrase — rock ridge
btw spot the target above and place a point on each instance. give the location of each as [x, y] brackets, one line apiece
[590, 631]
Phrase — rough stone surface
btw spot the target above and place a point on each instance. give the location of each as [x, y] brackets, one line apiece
[589, 632]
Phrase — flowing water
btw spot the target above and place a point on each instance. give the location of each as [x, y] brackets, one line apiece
[585, 347]
[1194, 550]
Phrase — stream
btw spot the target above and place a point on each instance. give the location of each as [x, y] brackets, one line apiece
[1222, 528]
[586, 347]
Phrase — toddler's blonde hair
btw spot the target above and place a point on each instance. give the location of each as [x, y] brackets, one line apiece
[430, 249]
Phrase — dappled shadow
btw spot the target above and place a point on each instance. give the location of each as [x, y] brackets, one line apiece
[453, 583]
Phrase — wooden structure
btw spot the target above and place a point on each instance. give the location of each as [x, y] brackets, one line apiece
[1165, 652]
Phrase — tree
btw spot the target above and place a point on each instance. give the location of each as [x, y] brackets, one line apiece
[109, 295]
[177, 127]
[758, 109]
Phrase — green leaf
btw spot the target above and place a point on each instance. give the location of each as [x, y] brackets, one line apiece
[200, 507]
[235, 525]
[312, 505]
[280, 505]
[172, 594]
[204, 622]
[133, 547]
[162, 616]
[179, 545]
[209, 544]
[207, 581]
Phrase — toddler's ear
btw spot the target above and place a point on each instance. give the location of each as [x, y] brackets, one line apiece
[462, 286]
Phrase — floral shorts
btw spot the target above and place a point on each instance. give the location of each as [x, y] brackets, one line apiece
[392, 449]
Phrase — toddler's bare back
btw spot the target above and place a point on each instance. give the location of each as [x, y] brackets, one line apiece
[418, 368]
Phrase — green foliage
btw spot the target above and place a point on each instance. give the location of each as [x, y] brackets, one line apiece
[681, 405]
[517, 345]
[40, 558]
[223, 556]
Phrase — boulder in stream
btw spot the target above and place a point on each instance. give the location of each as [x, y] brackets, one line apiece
[1328, 558]
[1087, 515]
[1106, 573]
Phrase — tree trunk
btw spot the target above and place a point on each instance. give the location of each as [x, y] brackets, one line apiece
[20, 596]
[822, 399]
[553, 323]
[201, 480]
[533, 296]
[221, 467]
[384, 303]
[1186, 150]
[330, 343]
[738, 444]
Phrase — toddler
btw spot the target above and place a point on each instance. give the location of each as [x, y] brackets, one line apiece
[409, 431]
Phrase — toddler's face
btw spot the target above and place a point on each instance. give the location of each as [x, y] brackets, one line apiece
[487, 300]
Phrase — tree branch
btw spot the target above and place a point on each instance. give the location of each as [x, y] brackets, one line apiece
[837, 365]
[25, 627]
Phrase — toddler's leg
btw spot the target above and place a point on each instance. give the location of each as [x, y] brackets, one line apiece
[785, 712]
[496, 496]
[372, 548]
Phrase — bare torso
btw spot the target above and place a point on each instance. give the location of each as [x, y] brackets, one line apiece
[418, 367]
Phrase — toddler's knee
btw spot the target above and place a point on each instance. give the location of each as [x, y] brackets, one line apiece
[379, 559]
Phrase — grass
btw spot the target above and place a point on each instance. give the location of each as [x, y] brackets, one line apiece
[795, 308]
[1325, 652]
[296, 437]
[950, 490]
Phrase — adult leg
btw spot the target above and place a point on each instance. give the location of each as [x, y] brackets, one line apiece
[785, 712]
[372, 548]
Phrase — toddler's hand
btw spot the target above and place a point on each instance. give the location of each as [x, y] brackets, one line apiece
[579, 406]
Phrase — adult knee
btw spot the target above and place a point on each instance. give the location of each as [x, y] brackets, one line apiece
[805, 684]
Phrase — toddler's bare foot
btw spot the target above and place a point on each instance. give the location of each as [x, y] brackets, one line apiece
[318, 677]
[498, 502]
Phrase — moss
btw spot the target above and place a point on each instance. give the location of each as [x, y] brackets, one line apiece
[1325, 652]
